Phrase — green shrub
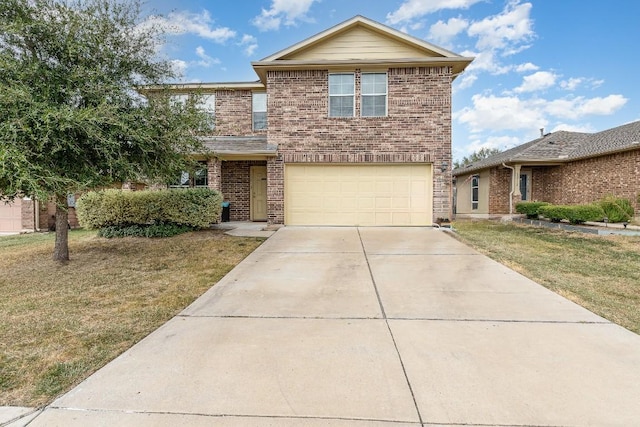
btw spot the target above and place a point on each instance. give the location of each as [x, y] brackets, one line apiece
[555, 213]
[153, 230]
[193, 207]
[579, 214]
[575, 214]
[530, 209]
[617, 209]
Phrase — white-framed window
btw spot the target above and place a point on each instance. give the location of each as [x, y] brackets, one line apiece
[373, 95]
[342, 89]
[475, 191]
[259, 110]
[199, 177]
[206, 103]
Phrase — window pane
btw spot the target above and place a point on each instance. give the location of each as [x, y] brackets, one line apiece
[374, 83]
[374, 106]
[341, 106]
[260, 102]
[208, 103]
[259, 121]
[341, 84]
[523, 186]
[200, 177]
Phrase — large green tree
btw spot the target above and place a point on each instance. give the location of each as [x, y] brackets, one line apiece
[71, 115]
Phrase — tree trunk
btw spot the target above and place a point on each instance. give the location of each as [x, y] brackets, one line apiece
[61, 248]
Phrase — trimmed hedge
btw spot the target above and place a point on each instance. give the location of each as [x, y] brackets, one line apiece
[153, 230]
[617, 209]
[193, 207]
[575, 214]
[530, 209]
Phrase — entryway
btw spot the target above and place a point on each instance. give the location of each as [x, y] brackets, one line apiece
[258, 188]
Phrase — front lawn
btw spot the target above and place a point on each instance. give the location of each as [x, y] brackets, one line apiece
[598, 272]
[59, 323]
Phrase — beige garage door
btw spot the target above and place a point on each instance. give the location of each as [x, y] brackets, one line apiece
[11, 216]
[358, 194]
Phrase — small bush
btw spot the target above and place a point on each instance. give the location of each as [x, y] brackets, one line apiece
[617, 209]
[575, 214]
[154, 230]
[530, 209]
[194, 207]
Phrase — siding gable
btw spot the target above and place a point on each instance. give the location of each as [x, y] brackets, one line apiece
[359, 43]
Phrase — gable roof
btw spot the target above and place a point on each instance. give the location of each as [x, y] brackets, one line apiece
[361, 41]
[563, 146]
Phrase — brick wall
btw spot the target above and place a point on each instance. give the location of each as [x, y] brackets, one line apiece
[499, 190]
[416, 129]
[234, 113]
[585, 181]
[236, 187]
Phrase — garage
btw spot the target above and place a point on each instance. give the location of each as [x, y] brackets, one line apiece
[363, 194]
[11, 216]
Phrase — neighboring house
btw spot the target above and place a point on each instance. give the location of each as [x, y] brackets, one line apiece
[560, 167]
[349, 127]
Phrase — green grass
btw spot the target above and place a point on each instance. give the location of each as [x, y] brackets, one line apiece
[598, 272]
[61, 322]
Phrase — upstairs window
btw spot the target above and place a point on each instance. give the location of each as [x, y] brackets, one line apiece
[374, 95]
[475, 191]
[206, 103]
[259, 109]
[341, 95]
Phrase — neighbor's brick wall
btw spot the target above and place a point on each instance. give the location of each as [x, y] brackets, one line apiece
[499, 190]
[234, 113]
[585, 181]
[236, 187]
[417, 128]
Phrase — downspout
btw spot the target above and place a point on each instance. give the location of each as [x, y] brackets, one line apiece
[513, 180]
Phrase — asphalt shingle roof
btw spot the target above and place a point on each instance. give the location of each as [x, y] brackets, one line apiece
[563, 146]
[240, 145]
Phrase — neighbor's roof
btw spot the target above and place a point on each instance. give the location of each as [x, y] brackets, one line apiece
[240, 145]
[562, 146]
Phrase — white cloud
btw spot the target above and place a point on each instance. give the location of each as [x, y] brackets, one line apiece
[578, 107]
[287, 12]
[523, 68]
[466, 81]
[414, 9]
[205, 60]
[179, 67]
[443, 32]
[497, 113]
[572, 128]
[250, 44]
[486, 61]
[536, 82]
[504, 30]
[200, 24]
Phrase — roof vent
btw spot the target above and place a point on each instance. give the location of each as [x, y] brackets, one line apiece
[552, 142]
[635, 142]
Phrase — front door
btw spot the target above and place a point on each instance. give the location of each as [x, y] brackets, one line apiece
[525, 185]
[258, 193]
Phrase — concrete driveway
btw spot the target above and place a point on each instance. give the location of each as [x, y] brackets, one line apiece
[368, 327]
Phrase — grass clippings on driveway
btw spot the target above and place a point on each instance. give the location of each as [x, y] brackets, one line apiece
[599, 273]
[59, 323]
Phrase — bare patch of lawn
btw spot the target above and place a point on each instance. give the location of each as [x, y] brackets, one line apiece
[598, 272]
[60, 323]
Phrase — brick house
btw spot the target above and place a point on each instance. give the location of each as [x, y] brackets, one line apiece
[351, 126]
[560, 167]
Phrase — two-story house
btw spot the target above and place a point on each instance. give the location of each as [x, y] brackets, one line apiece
[351, 126]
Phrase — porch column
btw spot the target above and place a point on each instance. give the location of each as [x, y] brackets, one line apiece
[517, 195]
[214, 174]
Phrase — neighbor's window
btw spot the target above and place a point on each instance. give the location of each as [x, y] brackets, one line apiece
[195, 178]
[374, 94]
[475, 184]
[341, 95]
[259, 108]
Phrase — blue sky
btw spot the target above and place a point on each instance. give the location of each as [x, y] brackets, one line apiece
[553, 64]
